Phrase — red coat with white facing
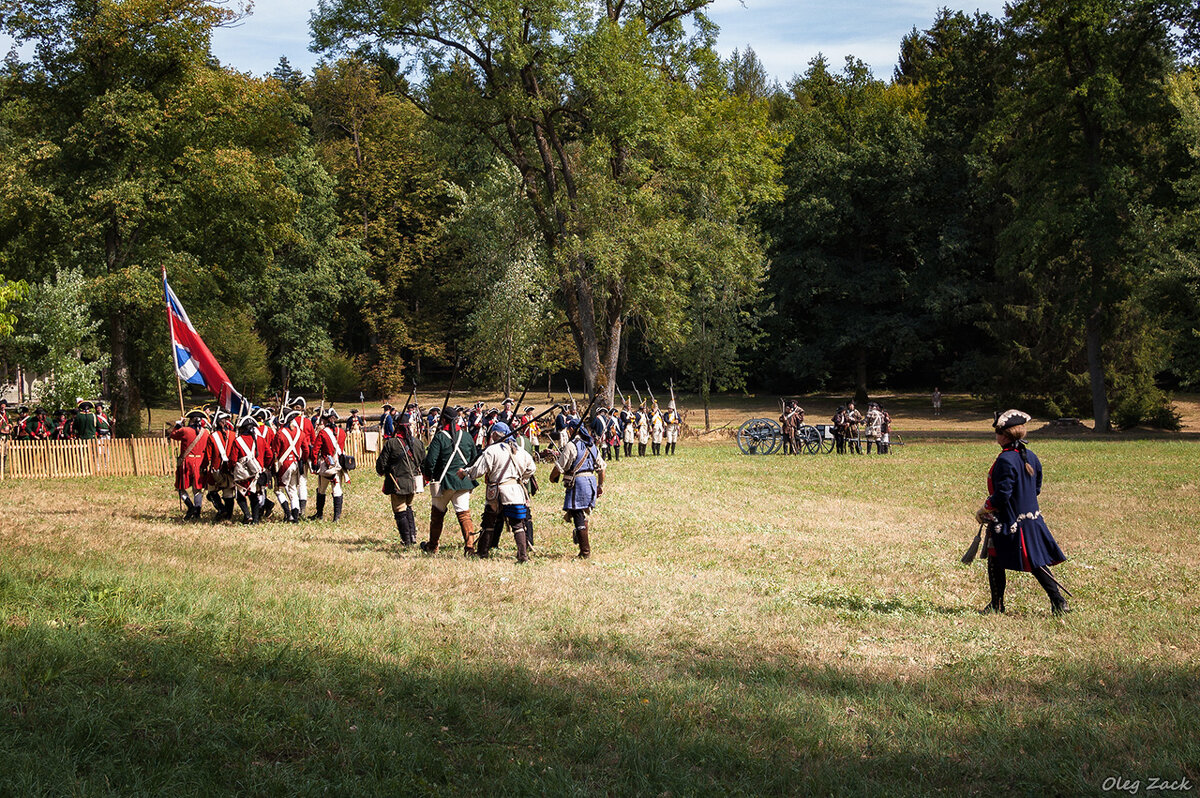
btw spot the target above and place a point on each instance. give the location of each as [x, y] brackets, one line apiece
[290, 446]
[325, 447]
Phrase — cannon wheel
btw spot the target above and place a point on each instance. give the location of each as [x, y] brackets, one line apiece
[759, 436]
[808, 437]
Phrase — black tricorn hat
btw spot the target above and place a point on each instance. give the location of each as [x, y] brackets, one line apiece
[299, 401]
[1009, 419]
[387, 407]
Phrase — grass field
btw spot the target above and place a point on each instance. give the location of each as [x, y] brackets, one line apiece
[746, 626]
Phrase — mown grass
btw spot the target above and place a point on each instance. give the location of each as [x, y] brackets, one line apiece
[749, 626]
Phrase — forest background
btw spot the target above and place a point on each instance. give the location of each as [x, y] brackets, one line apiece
[590, 189]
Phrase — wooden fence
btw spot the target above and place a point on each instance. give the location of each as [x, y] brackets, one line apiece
[116, 457]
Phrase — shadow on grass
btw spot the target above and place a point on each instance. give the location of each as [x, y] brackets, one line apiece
[108, 703]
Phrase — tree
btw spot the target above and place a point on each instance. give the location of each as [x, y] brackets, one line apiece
[586, 103]
[1079, 149]
[845, 239]
[131, 150]
[57, 340]
[390, 198]
[722, 327]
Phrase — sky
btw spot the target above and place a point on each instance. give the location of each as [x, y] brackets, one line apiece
[786, 34]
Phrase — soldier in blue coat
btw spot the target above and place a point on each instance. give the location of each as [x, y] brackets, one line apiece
[581, 469]
[1018, 538]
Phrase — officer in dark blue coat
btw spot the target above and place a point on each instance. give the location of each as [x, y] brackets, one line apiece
[1018, 538]
[387, 423]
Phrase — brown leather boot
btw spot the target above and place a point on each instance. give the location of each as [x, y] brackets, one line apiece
[585, 546]
[468, 531]
[436, 520]
[522, 546]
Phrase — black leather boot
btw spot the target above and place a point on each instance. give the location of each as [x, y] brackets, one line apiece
[244, 506]
[996, 582]
[410, 527]
[399, 519]
[255, 510]
[1058, 604]
[319, 515]
[337, 507]
[303, 507]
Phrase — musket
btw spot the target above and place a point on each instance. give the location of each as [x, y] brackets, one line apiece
[651, 393]
[639, 394]
[449, 388]
[570, 395]
[583, 418]
[672, 388]
[411, 394]
[618, 387]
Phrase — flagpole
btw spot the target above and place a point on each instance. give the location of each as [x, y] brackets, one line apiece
[171, 335]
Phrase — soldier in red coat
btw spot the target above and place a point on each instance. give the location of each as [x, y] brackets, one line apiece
[327, 462]
[218, 465]
[193, 443]
[305, 426]
[289, 450]
[265, 431]
[249, 462]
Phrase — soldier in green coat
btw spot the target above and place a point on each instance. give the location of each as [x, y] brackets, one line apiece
[450, 449]
[85, 422]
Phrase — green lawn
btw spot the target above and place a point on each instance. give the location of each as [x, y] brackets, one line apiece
[746, 626]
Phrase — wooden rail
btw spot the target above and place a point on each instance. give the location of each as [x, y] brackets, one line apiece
[114, 457]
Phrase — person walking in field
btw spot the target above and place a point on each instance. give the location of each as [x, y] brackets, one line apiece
[450, 449]
[581, 469]
[290, 449]
[193, 442]
[937, 402]
[218, 465]
[327, 462]
[506, 467]
[249, 462]
[1018, 538]
[399, 463]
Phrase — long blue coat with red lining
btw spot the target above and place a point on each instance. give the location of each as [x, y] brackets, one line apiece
[1020, 539]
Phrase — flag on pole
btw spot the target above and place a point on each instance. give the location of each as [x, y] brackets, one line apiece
[194, 363]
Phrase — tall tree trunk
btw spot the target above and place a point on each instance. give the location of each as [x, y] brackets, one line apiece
[611, 357]
[860, 376]
[1096, 370]
[126, 399]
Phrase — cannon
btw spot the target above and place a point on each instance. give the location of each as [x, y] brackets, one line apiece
[759, 436]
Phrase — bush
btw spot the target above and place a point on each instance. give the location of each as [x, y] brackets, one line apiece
[1150, 407]
[339, 375]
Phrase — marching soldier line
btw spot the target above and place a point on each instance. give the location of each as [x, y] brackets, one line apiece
[251, 460]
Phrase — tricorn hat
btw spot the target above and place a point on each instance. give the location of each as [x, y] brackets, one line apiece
[247, 422]
[386, 406]
[1009, 419]
[288, 417]
[331, 415]
[529, 409]
[299, 401]
[83, 404]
